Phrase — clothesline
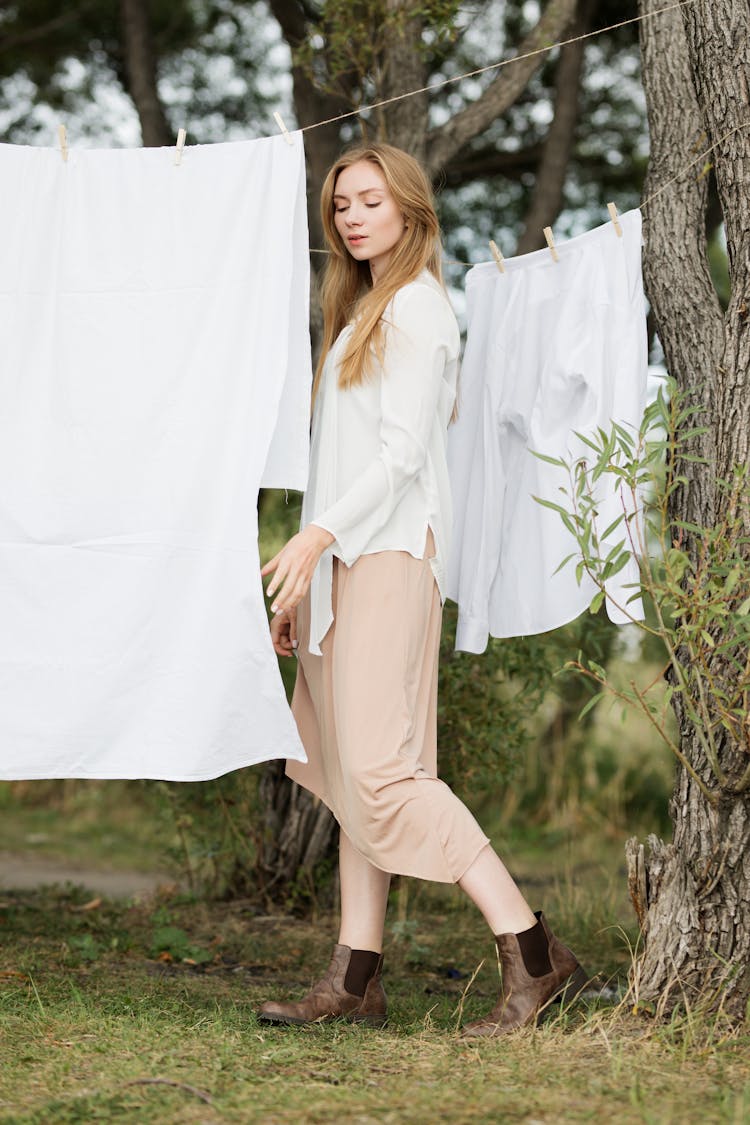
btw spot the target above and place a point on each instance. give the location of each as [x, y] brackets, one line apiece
[645, 203]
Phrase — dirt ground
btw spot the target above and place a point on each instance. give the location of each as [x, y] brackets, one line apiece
[24, 871]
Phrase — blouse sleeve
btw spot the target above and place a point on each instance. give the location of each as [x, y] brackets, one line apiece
[415, 355]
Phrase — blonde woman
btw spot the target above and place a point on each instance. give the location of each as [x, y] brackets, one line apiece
[357, 593]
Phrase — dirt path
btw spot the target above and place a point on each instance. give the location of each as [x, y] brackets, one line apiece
[23, 872]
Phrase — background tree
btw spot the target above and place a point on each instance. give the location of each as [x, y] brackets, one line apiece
[694, 894]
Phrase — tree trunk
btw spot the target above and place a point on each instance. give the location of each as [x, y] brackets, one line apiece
[140, 72]
[298, 834]
[547, 197]
[693, 896]
[403, 122]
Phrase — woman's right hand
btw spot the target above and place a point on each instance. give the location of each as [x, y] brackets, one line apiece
[284, 632]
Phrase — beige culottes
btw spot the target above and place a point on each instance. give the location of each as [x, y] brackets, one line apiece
[367, 716]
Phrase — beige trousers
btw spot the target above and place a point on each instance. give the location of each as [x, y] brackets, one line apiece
[367, 715]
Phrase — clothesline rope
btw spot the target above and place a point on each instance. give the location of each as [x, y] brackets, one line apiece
[495, 66]
[697, 160]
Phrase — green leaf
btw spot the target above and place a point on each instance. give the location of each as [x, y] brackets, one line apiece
[596, 602]
[565, 562]
[591, 704]
[587, 441]
[556, 461]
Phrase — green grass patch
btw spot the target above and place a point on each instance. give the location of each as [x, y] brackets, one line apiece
[145, 1012]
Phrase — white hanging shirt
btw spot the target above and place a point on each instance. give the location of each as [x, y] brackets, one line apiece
[154, 372]
[553, 349]
[378, 470]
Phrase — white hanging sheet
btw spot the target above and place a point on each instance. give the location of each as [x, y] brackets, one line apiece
[553, 349]
[154, 373]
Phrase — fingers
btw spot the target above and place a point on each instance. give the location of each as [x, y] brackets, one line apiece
[283, 648]
[292, 569]
[278, 626]
[270, 565]
[293, 627]
[280, 635]
[291, 593]
[283, 569]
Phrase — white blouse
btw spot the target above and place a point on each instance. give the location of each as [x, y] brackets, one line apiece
[378, 471]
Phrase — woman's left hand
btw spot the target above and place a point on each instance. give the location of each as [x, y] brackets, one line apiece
[294, 567]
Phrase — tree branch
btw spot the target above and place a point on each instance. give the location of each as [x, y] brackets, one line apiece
[444, 141]
[292, 19]
[547, 197]
[42, 30]
[474, 164]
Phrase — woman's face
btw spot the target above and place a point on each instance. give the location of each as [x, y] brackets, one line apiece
[366, 215]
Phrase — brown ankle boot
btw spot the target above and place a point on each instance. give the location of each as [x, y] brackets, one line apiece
[536, 969]
[329, 998]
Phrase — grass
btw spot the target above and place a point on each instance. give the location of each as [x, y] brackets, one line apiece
[144, 1012]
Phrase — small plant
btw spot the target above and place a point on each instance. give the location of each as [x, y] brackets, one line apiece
[696, 580]
[84, 947]
[171, 943]
[405, 932]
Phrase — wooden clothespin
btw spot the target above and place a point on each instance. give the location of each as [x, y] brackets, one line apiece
[497, 256]
[62, 137]
[615, 218]
[551, 243]
[280, 122]
[181, 134]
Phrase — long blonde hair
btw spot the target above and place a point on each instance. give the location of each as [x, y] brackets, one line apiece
[347, 289]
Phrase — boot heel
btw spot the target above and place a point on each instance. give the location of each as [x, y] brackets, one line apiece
[369, 1021]
[569, 989]
[573, 986]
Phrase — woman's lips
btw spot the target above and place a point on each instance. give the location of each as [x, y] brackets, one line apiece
[354, 239]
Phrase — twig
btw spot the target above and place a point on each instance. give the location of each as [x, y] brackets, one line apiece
[202, 1094]
[710, 796]
[460, 1008]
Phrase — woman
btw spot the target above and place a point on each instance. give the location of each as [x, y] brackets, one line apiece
[367, 572]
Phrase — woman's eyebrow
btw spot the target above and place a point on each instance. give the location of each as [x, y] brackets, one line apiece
[365, 191]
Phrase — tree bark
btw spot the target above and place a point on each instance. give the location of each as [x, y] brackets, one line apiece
[141, 74]
[297, 835]
[404, 69]
[547, 198]
[692, 897]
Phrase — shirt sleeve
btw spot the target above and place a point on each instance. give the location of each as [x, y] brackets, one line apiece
[416, 349]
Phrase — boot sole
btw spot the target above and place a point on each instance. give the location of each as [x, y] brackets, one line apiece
[571, 987]
[293, 1021]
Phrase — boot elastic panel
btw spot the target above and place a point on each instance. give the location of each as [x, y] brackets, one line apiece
[363, 965]
[534, 946]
